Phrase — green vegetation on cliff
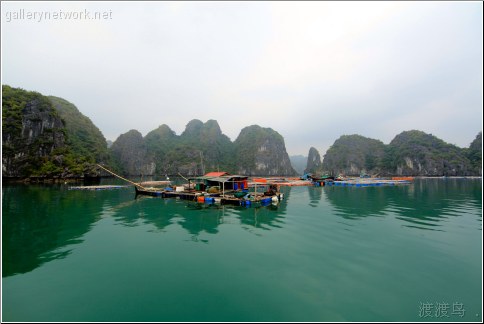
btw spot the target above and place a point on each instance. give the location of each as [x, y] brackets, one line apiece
[38, 141]
[14, 103]
[415, 151]
[250, 139]
[33, 135]
[262, 151]
[353, 155]
[160, 142]
[84, 138]
[212, 149]
[474, 154]
[48, 137]
[410, 153]
[313, 165]
[202, 148]
[130, 154]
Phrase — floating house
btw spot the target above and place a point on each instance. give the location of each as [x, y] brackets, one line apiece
[222, 188]
[219, 181]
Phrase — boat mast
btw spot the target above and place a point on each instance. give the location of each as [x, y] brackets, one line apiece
[201, 163]
[120, 177]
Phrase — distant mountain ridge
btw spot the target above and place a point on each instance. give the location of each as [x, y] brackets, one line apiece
[48, 137]
[410, 153]
[202, 147]
[298, 162]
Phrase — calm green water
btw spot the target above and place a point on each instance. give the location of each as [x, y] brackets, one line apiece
[403, 253]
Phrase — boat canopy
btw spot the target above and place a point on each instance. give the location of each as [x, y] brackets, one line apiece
[219, 179]
[222, 179]
[216, 174]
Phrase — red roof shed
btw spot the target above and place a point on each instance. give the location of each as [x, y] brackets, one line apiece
[216, 174]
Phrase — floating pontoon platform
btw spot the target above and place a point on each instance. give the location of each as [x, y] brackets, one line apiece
[101, 187]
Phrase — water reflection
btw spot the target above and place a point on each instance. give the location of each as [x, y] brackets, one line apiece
[315, 195]
[45, 222]
[197, 218]
[202, 220]
[429, 202]
[424, 204]
[357, 202]
[39, 220]
[267, 218]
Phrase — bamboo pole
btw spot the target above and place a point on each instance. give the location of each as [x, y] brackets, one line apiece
[186, 180]
[120, 177]
[182, 176]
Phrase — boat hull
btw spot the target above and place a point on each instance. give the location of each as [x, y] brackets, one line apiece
[152, 193]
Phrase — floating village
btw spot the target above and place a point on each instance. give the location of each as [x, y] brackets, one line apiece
[238, 190]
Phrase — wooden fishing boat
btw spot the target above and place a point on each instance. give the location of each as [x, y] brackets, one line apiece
[321, 178]
[149, 192]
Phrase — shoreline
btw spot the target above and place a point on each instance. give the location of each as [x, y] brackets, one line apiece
[96, 179]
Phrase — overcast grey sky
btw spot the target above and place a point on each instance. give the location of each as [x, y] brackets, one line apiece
[312, 71]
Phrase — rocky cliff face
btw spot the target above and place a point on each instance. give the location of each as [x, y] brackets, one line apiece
[159, 142]
[84, 138]
[417, 153]
[210, 149]
[353, 155]
[202, 148]
[474, 154]
[129, 150]
[314, 162]
[33, 133]
[47, 137]
[410, 153]
[199, 149]
[261, 151]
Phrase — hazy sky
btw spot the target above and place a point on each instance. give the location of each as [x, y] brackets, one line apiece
[312, 71]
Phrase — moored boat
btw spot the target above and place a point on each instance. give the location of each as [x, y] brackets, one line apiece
[149, 192]
[218, 188]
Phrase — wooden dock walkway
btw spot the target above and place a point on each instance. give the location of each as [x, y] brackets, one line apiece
[156, 183]
[363, 182]
[100, 187]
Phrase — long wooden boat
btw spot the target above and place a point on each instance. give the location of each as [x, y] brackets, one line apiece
[322, 178]
[163, 193]
[149, 192]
